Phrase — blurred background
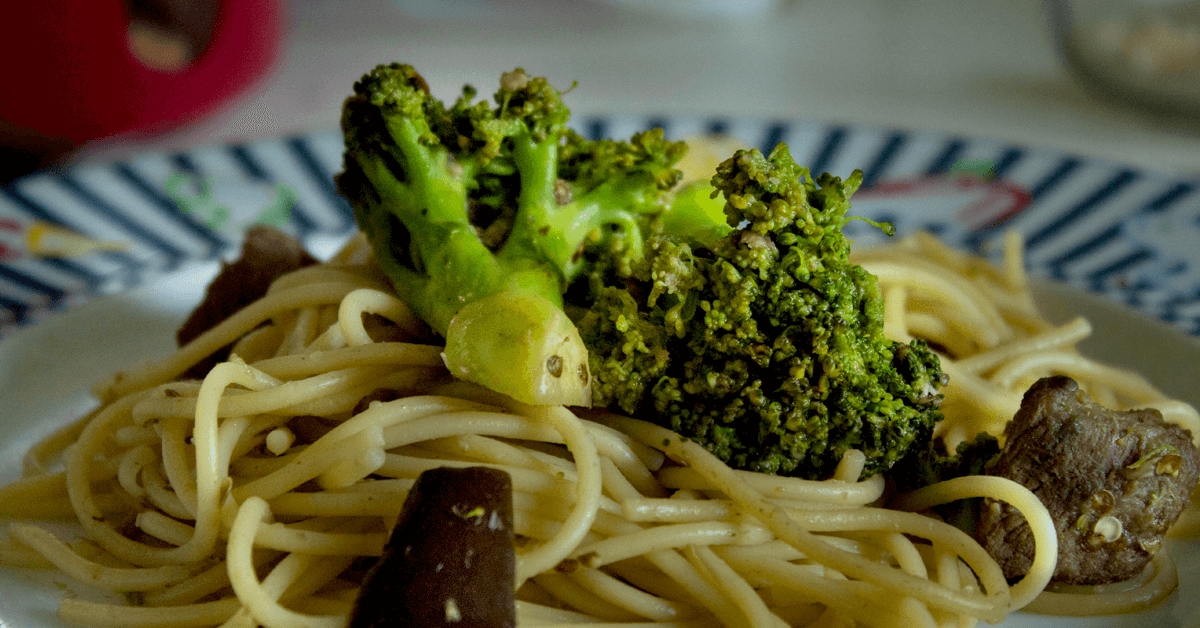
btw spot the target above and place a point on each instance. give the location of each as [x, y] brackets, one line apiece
[1119, 83]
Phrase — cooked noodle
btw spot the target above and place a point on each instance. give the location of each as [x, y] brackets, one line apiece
[244, 499]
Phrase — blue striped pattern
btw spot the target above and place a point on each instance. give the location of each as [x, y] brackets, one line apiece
[950, 153]
[215, 241]
[1090, 223]
[171, 254]
[242, 155]
[93, 273]
[1079, 210]
[827, 151]
[877, 166]
[322, 177]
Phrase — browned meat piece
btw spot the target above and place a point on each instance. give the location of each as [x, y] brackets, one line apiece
[266, 254]
[1114, 482]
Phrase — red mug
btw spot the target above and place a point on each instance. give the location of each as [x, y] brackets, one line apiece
[70, 73]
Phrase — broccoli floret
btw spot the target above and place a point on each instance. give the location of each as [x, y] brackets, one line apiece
[498, 201]
[475, 199]
[765, 345]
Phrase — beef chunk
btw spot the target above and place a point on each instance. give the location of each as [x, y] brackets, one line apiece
[1113, 481]
[266, 254]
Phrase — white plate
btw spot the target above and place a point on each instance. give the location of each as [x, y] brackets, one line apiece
[1121, 232]
[46, 372]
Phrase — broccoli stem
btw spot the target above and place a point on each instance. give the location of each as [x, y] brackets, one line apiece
[535, 235]
[426, 169]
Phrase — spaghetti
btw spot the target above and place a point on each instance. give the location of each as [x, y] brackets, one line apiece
[247, 498]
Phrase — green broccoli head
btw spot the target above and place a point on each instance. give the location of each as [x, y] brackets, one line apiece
[500, 201]
[478, 198]
[765, 345]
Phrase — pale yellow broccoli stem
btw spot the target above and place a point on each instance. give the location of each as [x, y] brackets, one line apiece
[523, 346]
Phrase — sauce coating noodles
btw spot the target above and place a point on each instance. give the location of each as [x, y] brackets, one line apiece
[247, 498]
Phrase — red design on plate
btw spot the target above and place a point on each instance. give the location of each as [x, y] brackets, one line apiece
[985, 204]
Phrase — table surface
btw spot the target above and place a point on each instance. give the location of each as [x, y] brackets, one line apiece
[979, 68]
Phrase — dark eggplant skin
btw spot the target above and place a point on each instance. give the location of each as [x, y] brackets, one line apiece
[450, 560]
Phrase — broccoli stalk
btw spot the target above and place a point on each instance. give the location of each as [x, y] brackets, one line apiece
[492, 202]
